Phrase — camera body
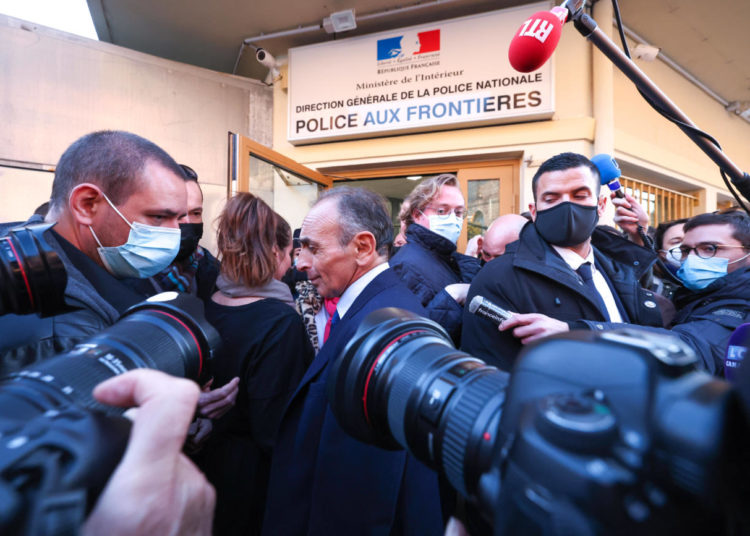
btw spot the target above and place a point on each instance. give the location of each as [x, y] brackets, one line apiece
[58, 445]
[615, 433]
[593, 433]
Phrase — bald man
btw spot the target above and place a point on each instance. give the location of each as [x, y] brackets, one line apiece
[501, 232]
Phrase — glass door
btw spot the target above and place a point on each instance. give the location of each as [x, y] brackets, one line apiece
[490, 191]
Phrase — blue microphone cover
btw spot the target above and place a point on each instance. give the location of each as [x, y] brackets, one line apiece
[608, 169]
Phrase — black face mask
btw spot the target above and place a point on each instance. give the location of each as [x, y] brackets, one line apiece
[567, 224]
[190, 235]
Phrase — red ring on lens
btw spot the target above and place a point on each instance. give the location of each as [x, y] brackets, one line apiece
[180, 322]
[372, 368]
[23, 274]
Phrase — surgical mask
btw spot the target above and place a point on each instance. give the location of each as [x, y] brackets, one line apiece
[567, 224]
[447, 226]
[697, 273]
[147, 252]
[190, 235]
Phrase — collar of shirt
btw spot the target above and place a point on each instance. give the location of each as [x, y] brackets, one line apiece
[356, 288]
[574, 260]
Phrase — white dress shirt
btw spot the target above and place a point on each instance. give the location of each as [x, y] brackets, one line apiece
[347, 299]
[574, 260]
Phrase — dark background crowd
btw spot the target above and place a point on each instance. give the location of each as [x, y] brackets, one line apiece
[128, 220]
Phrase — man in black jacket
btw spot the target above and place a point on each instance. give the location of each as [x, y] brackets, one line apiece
[116, 200]
[715, 301]
[561, 267]
[428, 263]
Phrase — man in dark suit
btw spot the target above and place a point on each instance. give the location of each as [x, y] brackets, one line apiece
[562, 268]
[323, 481]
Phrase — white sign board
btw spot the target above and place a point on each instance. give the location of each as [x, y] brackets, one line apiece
[443, 75]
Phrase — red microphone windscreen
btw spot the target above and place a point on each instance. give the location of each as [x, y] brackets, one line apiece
[536, 40]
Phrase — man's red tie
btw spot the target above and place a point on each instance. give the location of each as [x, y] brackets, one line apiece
[330, 305]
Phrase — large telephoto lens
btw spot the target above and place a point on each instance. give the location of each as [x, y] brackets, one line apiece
[400, 383]
[32, 276]
[168, 332]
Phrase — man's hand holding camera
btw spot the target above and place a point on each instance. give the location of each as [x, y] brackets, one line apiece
[155, 489]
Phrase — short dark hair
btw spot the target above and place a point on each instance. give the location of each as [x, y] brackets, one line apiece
[561, 162]
[739, 221]
[190, 174]
[111, 159]
[662, 229]
[361, 210]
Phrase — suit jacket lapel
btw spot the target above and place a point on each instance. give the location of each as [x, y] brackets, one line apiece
[343, 329]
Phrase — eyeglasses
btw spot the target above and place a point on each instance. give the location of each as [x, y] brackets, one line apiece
[674, 253]
[704, 251]
[444, 212]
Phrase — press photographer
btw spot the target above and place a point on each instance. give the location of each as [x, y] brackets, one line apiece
[639, 444]
[116, 198]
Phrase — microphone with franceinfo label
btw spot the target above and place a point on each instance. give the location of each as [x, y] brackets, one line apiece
[486, 309]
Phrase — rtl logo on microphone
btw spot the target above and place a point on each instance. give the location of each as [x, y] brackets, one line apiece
[540, 28]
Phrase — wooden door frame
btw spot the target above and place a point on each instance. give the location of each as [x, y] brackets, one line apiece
[242, 148]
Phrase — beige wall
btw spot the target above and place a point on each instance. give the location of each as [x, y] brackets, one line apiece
[57, 87]
[641, 134]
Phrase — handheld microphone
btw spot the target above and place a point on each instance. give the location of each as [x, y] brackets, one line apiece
[609, 173]
[486, 309]
[739, 342]
[536, 39]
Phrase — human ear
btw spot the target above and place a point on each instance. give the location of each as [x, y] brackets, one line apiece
[85, 202]
[601, 205]
[365, 246]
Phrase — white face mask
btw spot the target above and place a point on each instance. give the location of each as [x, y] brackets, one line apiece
[147, 252]
[447, 226]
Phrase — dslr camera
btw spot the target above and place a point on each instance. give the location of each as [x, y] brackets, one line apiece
[593, 433]
[58, 445]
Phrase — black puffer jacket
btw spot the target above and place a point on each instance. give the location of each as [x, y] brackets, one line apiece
[427, 263]
[532, 278]
[705, 319]
[28, 338]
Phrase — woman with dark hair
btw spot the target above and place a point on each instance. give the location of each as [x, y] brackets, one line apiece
[667, 240]
[265, 344]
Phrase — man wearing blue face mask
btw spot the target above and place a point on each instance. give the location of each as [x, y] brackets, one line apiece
[428, 263]
[116, 201]
[561, 268]
[715, 269]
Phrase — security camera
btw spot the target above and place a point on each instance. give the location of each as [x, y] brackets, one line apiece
[265, 58]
